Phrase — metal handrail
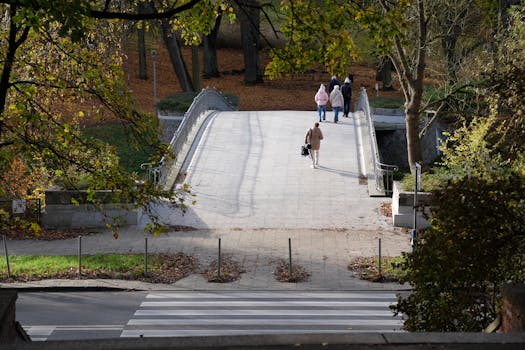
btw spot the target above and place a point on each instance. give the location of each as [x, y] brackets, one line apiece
[208, 99]
[383, 173]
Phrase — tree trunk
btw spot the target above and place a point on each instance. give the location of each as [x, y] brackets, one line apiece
[142, 54]
[249, 19]
[17, 35]
[141, 42]
[211, 67]
[195, 67]
[386, 74]
[412, 133]
[179, 67]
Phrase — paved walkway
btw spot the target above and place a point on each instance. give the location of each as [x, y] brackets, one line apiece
[255, 191]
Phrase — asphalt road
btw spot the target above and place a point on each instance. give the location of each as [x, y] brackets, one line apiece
[96, 315]
[76, 315]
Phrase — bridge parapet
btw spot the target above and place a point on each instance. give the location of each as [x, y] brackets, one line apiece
[165, 172]
[380, 176]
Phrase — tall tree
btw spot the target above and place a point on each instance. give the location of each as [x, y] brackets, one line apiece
[249, 18]
[177, 61]
[211, 66]
[476, 243]
[60, 62]
[324, 33]
[141, 43]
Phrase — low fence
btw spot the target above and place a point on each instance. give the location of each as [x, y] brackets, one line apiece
[383, 173]
[207, 100]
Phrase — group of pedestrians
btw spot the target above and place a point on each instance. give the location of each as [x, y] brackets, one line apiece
[339, 97]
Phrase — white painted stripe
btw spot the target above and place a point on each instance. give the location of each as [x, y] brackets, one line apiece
[263, 322]
[38, 339]
[215, 312]
[62, 326]
[39, 330]
[273, 295]
[274, 303]
[147, 333]
[90, 328]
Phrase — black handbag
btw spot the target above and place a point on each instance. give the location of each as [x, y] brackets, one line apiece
[304, 150]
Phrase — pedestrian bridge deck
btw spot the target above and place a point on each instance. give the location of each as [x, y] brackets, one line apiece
[246, 171]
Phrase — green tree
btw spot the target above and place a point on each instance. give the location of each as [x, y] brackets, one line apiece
[60, 62]
[334, 33]
[477, 239]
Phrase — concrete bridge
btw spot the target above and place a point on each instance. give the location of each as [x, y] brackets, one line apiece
[246, 171]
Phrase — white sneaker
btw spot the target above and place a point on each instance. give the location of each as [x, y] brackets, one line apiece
[312, 166]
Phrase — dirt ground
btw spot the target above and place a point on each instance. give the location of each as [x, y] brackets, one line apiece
[291, 93]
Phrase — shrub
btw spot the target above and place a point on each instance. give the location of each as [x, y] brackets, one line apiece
[181, 102]
[474, 246]
[177, 102]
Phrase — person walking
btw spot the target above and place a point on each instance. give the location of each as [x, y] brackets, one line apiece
[346, 90]
[333, 82]
[337, 102]
[314, 137]
[321, 98]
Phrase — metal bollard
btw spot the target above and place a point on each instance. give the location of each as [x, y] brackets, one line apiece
[380, 262]
[290, 255]
[145, 256]
[7, 258]
[219, 261]
[79, 257]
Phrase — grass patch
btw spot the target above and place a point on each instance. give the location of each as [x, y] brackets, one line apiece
[429, 181]
[385, 102]
[367, 268]
[162, 268]
[119, 136]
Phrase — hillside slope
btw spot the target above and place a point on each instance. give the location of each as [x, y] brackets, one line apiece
[291, 93]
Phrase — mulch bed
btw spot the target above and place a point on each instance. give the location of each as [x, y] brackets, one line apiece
[282, 272]
[45, 234]
[230, 270]
[366, 268]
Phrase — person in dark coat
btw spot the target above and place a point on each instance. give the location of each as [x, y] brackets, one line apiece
[333, 83]
[346, 90]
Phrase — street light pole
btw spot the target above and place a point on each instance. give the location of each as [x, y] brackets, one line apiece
[154, 60]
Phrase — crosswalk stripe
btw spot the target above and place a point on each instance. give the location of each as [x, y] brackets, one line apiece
[217, 312]
[272, 295]
[232, 332]
[262, 322]
[175, 314]
[256, 303]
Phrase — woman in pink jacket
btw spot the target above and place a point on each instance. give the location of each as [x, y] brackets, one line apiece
[321, 98]
[337, 102]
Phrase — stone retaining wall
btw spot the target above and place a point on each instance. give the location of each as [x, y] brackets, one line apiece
[61, 212]
[403, 207]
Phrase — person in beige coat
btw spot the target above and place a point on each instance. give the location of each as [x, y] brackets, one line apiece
[337, 102]
[313, 138]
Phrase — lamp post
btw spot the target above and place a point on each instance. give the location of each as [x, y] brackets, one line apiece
[154, 60]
